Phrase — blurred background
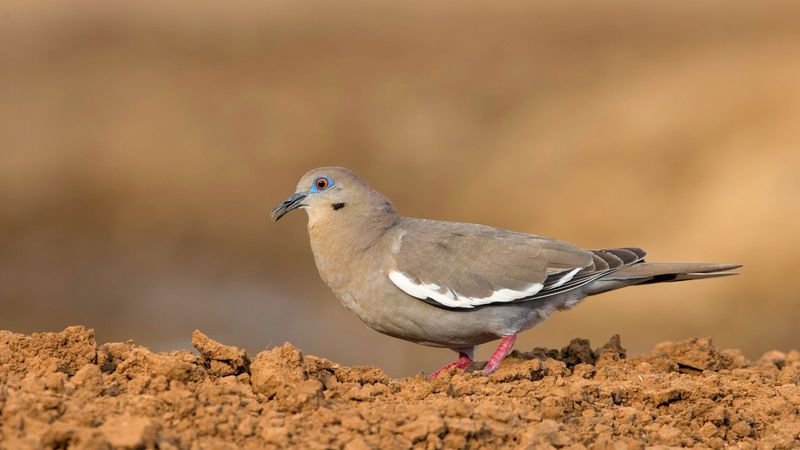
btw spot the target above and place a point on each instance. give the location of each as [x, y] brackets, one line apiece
[142, 145]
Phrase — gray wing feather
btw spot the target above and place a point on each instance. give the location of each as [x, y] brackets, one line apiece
[468, 262]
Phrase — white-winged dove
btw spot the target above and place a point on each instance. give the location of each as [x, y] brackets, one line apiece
[454, 285]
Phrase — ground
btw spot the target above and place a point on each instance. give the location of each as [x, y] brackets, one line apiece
[62, 390]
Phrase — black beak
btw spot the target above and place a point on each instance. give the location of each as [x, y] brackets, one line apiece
[293, 202]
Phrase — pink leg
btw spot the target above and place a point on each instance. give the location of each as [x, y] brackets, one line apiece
[462, 363]
[497, 357]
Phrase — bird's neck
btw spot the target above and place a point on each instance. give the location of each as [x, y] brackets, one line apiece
[356, 229]
[342, 240]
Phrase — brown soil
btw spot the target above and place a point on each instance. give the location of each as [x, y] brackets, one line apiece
[60, 390]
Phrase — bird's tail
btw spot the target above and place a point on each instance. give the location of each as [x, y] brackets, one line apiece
[647, 273]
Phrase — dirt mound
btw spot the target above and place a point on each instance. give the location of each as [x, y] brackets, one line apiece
[60, 390]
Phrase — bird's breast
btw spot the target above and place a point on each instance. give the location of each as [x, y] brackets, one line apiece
[339, 264]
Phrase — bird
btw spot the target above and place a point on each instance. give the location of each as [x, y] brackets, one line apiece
[454, 285]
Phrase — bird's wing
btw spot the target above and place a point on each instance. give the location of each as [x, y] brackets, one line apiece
[463, 265]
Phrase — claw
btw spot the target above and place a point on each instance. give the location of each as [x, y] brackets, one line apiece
[462, 363]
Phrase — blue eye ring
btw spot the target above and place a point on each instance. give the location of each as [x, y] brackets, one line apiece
[321, 183]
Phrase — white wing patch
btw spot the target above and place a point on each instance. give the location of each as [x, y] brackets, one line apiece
[565, 278]
[448, 297]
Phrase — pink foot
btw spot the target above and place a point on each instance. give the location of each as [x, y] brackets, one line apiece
[497, 357]
[462, 363]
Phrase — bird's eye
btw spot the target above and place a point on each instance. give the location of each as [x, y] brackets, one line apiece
[321, 183]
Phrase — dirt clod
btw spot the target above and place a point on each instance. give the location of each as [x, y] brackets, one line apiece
[60, 390]
[220, 360]
[130, 432]
[695, 354]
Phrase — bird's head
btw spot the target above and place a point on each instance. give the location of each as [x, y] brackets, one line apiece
[331, 191]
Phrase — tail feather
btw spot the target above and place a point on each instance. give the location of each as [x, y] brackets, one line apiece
[694, 276]
[648, 273]
[644, 270]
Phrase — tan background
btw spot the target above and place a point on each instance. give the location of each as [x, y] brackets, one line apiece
[143, 144]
